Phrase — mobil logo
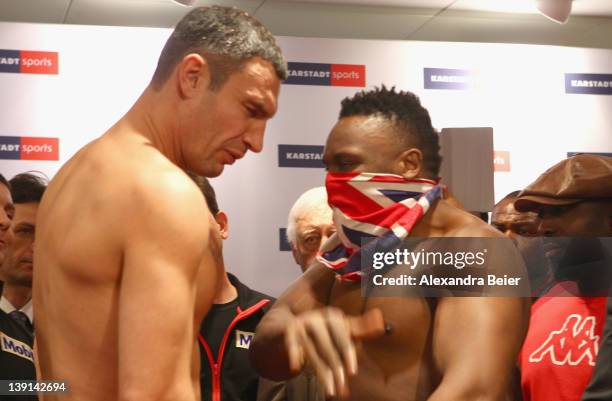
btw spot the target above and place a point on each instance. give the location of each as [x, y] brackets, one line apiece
[244, 339]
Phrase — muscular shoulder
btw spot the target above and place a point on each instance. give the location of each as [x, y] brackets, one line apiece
[166, 220]
[468, 225]
[165, 196]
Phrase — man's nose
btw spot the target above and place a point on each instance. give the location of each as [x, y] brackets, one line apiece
[255, 136]
[5, 222]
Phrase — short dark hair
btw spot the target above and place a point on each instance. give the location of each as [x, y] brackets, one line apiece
[403, 109]
[5, 182]
[27, 187]
[226, 36]
[207, 190]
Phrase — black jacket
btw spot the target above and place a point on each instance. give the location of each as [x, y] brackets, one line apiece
[16, 355]
[600, 387]
[231, 377]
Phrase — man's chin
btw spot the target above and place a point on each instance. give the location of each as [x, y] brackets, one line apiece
[212, 171]
[217, 171]
[21, 281]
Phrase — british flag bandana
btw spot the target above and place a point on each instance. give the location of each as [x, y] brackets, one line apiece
[376, 211]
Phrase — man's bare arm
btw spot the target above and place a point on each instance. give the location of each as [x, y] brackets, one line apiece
[165, 241]
[475, 345]
[269, 353]
[300, 327]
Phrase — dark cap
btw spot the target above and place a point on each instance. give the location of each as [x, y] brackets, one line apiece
[575, 179]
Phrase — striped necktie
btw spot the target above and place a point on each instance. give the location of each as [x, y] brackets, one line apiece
[23, 321]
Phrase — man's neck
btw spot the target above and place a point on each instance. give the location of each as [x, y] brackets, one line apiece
[226, 292]
[435, 222]
[148, 117]
[18, 296]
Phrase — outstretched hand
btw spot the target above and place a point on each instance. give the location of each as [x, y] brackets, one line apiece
[326, 339]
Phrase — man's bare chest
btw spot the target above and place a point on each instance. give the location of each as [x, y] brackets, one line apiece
[408, 319]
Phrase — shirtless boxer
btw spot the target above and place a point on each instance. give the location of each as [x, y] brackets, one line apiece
[453, 348]
[124, 271]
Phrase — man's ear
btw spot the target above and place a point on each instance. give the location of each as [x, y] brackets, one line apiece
[411, 163]
[221, 219]
[193, 74]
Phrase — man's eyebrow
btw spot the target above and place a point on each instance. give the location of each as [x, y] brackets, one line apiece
[310, 230]
[262, 104]
[24, 225]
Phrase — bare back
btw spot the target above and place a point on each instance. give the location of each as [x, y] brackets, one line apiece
[104, 280]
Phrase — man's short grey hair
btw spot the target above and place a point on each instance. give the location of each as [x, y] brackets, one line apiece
[226, 36]
[313, 201]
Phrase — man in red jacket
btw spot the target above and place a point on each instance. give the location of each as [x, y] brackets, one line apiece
[229, 327]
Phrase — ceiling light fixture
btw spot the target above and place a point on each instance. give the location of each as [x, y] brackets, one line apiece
[187, 3]
[556, 10]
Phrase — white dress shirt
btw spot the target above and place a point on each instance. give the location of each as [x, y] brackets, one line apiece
[8, 307]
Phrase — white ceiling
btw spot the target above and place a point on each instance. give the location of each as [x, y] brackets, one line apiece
[508, 21]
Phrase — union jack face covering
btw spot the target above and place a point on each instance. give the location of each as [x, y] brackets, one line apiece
[376, 211]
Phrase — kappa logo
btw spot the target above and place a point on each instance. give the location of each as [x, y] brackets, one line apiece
[29, 148]
[29, 62]
[16, 347]
[574, 343]
[326, 74]
[244, 339]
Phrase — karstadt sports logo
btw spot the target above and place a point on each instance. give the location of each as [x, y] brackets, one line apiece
[590, 84]
[570, 154]
[501, 161]
[447, 78]
[574, 343]
[283, 243]
[29, 148]
[309, 156]
[326, 74]
[29, 62]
